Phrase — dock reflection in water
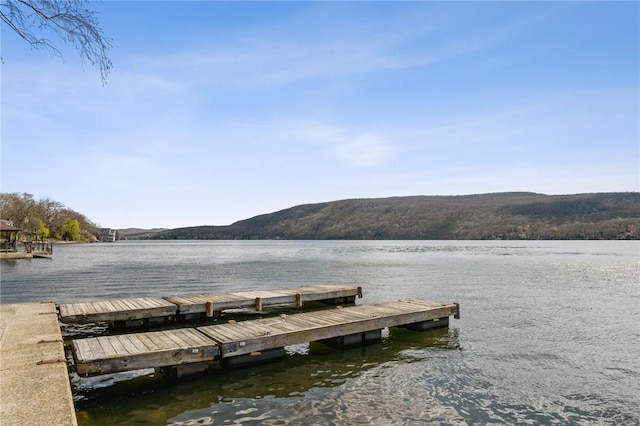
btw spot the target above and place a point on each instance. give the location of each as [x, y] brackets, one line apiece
[312, 378]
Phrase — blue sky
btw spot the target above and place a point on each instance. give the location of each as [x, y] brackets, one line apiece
[219, 111]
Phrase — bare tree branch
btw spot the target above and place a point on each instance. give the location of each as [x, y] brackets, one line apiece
[68, 20]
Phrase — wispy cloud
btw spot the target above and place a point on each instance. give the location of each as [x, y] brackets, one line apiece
[551, 127]
[272, 57]
[269, 64]
[212, 124]
[352, 147]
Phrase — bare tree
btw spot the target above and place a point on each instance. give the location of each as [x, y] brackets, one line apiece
[27, 213]
[49, 209]
[68, 20]
[18, 208]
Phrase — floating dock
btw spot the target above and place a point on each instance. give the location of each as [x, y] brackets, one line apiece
[25, 255]
[34, 382]
[194, 306]
[190, 350]
[34, 372]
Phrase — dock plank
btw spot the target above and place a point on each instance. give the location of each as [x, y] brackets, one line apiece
[116, 310]
[190, 304]
[142, 350]
[108, 354]
[197, 303]
[96, 349]
[252, 336]
[148, 343]
[153, 307]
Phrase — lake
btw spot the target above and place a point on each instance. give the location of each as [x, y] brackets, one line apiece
[549, 332]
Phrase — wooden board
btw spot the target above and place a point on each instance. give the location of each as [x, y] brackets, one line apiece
[116, 310]
[253, 336]
[154, 307]
[111, 354]
[196, 303]
[307, 294]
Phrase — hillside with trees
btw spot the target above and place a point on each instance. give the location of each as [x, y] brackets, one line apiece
[46, 218]
[510, 216]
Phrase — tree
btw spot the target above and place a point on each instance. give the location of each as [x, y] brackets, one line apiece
[68, 20]
[43, 232]
[70, 230]
[19, 208]
[49, 210]
[31, 216]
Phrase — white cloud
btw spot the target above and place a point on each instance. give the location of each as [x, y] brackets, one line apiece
[546, 128]
[352, 147]
[366, 149]
[330, 101]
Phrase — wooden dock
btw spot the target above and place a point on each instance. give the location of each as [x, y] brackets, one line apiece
[116, 310]
[4, 255]
[109, 354]
[195, 305]
[248, 342]
[34, 382]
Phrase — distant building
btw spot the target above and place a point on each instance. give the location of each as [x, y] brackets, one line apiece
[108, 235]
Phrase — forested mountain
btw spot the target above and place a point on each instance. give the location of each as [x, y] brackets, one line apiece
[137, 233]
[514, 215]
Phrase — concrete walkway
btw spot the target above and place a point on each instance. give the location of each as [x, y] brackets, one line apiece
[34, 384]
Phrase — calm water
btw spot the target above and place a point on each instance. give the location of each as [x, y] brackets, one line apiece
[549, 334]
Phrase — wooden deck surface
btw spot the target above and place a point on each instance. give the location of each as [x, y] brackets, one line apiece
[34, 382]
[106, 354]
[251, 336]
[196, 303]
[116, 310]
[142, 350]
[154, 307]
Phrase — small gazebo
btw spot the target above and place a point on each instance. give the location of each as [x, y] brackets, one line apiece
[8, 237]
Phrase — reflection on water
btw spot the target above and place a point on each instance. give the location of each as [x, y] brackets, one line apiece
[548, 334]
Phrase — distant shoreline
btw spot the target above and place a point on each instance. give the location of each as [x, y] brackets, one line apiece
[499, 216]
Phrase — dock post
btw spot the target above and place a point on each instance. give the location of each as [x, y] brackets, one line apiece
[298, 300]
[259, 304]
[209, 309]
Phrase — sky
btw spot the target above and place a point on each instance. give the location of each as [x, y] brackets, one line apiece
[216, 112]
